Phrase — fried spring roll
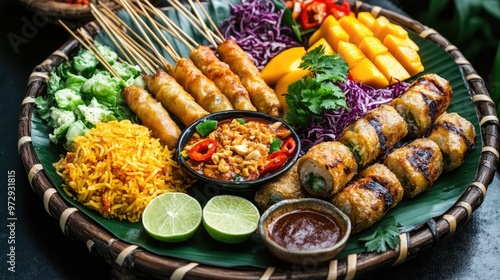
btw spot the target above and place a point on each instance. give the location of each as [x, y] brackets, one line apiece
[326, 168]
[417, 165]
[455, 137]
[204, 91]
[284, 187]
[225, 79]
[370, 136]
[263, 97]
[425, 100]
[174, 98]
[366, 199]
[152, 114]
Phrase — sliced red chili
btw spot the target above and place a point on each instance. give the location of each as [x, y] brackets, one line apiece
[289, 145]
[276, 160]
[314, 12]
[203, 150]
[312, 15]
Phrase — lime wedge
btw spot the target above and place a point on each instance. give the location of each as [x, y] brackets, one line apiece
[172, 217]
[230, 219]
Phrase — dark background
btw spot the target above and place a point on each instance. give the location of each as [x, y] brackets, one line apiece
[44, 252]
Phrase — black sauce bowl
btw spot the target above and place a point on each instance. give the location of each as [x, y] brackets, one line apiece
[188, 132]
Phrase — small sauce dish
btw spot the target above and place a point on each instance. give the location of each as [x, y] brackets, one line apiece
[305, 229]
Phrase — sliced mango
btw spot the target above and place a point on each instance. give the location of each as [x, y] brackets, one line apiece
[367, 19]
[281, 87]
[284, 62]
[392, 42]
[410, 60]
[379, 27]
[391, 68]
[356, 30]
[407, 56]
[372, 47]
[315, 37]
[351, 53]
[328, 49]
[412, 44]
[366, 72]
[335, 35]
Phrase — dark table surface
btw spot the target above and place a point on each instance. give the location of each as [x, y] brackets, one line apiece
[42, 251]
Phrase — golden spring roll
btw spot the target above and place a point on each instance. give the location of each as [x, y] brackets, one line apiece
[284, 187]
[152, 115]
[223, 77]
[174, 98]
[372, 135]
[263, 97]
[426, 99]
[326, 168]
[455, 137]
[417, 165]
[204, 91]
[366, 199]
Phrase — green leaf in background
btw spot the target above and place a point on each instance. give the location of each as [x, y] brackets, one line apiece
[409, 213]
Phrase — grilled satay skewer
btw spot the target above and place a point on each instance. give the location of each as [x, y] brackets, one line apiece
[173, 97]
[222, 75]
[203, 90]
[207, 61]
[366, 199]
[455, 136]
[287, 186]
[326, 168]
[372, 135]
[152, 114]
[262, 95]
[417, 165]
[425, 100]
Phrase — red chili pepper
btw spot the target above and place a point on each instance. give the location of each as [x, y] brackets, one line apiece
[313, 13]
[276, 160]
[289, 145]
[203, 151]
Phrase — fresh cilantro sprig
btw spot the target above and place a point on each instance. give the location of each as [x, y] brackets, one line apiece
[384, 237]
[317, 92]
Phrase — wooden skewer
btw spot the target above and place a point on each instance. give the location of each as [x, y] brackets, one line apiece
[141, 25]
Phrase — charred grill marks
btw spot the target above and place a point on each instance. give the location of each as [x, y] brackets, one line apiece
[421, 158]
[381, 192]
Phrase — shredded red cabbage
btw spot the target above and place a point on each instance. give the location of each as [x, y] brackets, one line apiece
[360, 99]
[256, 27]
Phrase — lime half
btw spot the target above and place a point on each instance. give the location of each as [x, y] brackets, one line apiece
[172, 217]
[230, 219]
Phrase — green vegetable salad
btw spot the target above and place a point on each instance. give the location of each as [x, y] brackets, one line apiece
[81, 93]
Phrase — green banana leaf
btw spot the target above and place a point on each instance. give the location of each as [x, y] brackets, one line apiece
[202, 249]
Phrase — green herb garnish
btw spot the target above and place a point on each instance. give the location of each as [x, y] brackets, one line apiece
[240, 120]
[384, 237]
[316, 93]
[275, 145]
[206, 127]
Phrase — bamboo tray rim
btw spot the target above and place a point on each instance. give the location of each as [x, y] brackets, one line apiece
[133, 260]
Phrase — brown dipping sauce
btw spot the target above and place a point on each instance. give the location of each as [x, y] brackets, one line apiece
[305, 230]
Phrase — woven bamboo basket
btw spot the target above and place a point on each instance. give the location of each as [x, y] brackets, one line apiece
[133, 260]
[73, 15]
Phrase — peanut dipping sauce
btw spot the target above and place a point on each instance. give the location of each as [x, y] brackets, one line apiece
[305, 230]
